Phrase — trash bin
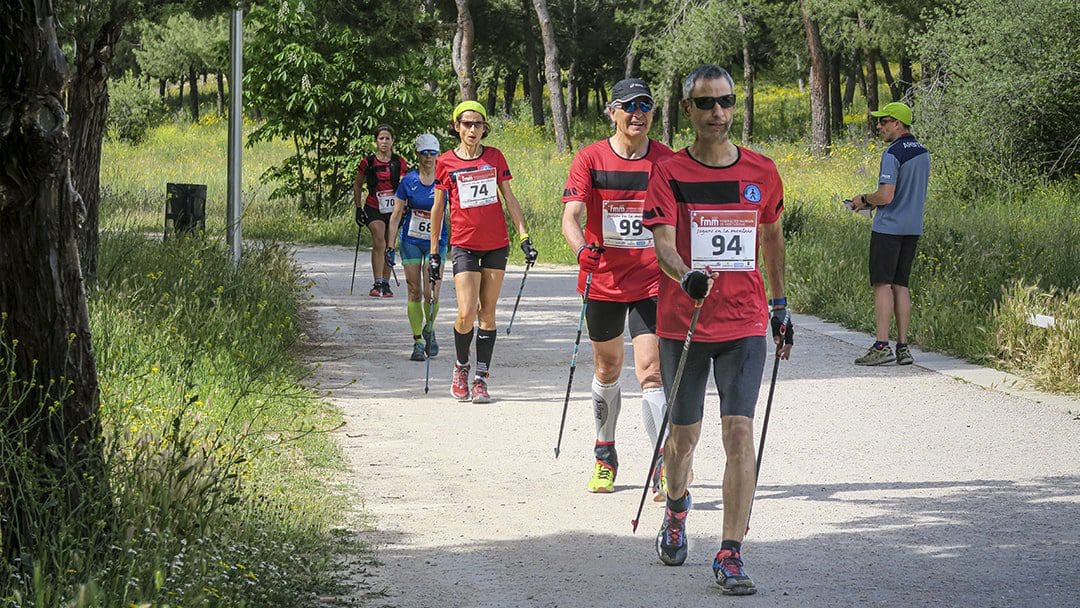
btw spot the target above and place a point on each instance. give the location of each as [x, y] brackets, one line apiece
[185, 208]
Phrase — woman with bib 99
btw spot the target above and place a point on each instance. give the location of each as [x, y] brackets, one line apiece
[412, 211]
[472, 177]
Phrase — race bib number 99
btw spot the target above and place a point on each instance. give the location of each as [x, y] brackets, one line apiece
[386, 201]
[723, 240]
[622, 225]
[477, 188]
[420, 224]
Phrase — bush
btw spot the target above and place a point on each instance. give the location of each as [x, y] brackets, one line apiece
[1002, 108]
[134, 109]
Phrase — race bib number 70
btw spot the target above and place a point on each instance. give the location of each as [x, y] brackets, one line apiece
[723, 240]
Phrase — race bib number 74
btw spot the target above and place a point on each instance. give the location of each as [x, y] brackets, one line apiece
[477, 188]
[723, 240]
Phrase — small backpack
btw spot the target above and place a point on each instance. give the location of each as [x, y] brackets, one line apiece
[395, 172]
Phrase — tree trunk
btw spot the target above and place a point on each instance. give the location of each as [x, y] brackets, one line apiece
[819, 80]
[45, 329]
[551, 70]
[836, 102]
[849, 85]
[492, 92]
[907, 77]
[181, 82]
[462, 51]
[631, 48]
[894, 88]
[571, 74]
[532, 71]
[798, 69]
[748, 83]
[671, 109]
[161, 88]
[871, 89]
[193, 77]
[220, 94]
[88, 107]
[509, 88]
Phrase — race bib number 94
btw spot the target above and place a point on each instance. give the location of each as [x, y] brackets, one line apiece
[386, 201]
[622, 225]
[420, 224]
[477, 188]
[723, 240]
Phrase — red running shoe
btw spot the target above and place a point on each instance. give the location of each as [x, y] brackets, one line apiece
[459, 385]
[479, 391]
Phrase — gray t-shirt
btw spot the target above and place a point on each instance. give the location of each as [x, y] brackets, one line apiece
[905, 163]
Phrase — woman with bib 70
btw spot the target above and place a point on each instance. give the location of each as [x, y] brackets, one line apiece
[472, 177]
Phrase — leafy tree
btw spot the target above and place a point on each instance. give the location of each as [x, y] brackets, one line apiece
[324, 76]
[184, 47]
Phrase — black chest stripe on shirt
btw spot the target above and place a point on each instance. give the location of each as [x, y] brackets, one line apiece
[620, 180]
[706, 193]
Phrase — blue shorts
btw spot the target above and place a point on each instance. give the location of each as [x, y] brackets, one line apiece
[415, 254]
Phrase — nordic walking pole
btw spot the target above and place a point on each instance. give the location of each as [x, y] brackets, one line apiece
[573, 360]
[397, 283]
[667, 410]
[765, 423]
[431, 330]
[356, 256]
[528, 265]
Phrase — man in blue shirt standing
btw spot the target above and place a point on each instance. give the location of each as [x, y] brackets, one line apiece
[899, 203]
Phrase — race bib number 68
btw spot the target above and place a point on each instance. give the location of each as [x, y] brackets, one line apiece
[723, 240]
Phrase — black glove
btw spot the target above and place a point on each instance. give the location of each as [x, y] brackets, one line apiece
[435, 267]
[361, 217]
[696, 284]
[530, 252]
[781, 318]
[390, 256]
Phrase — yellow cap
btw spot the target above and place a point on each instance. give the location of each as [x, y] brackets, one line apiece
[899, 111]
[465, 106]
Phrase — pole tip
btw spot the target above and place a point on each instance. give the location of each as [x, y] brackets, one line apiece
[556, 453]
[633, 522]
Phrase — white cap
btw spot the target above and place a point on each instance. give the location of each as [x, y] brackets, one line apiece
[426, 141]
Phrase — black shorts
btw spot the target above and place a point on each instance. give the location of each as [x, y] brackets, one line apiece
[736, 368]
[367, 215]
[467, 260]
[891, 257]
[606, 319]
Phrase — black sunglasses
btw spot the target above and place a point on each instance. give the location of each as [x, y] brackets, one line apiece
[707, 103]
[633, 106]
[884, 120]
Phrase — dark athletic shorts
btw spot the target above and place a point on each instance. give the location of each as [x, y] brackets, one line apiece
[736, 368]
[372, 214]
[606, 319]
[891, 257]
[467, 260]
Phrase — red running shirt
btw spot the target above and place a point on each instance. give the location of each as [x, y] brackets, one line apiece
[383, 197]
[476, 213]
[613, 190]
[716, 212]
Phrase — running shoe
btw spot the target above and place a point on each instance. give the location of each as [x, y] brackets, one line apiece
[385, 291]
[459, 386]
[418, 352]
[903, 355]
[876, 356]
[376, 290]
[603, 478]
[432, 344]
[671, 543]
[479, 391]
[728, 568]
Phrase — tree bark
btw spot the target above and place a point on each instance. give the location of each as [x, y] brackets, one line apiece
[88, 107]
[509, 89]
[532, 71]
[220, 94]
[871, 89]
[907, 77]
[571, 74]
[181, 102]
[748, 83]
[670, 121]
[836, 102]
[193, 77]
[894, 88]
[492, 92]
[551, 70]
[161, 88]
[44, 324]
[819, 79]
[849, 85]
[462, 51]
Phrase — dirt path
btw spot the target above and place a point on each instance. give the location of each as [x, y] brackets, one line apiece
[880, 486]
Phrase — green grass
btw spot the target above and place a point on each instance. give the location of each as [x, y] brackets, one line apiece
[220, 463]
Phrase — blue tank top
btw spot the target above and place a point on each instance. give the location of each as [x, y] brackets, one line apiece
[419, 199]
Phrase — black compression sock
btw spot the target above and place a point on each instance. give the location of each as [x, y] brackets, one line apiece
[485, 345]
[462, 344]
[735, 546]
